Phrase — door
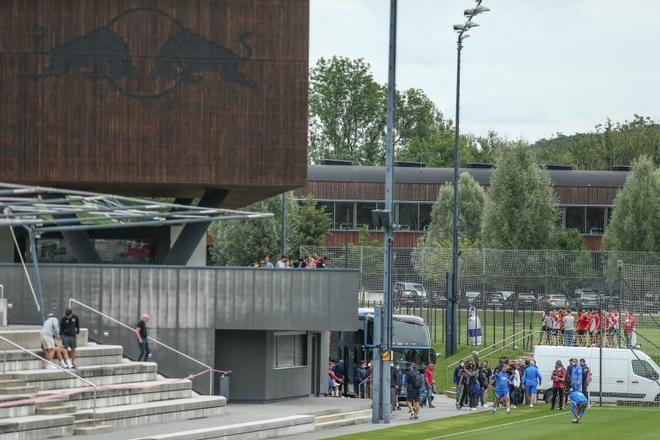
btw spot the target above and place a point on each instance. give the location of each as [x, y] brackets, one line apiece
[615, 379]
[643, 380]
[315, 365]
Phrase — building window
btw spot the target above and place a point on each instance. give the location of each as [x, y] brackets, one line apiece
[424, 215]
[575, 218]
[364, 213]
[408, 216]
[290, 350]
[595, 221]
[642, 368]
[344, 216]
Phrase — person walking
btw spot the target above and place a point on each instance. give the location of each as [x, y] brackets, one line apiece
[69, 330]
[531, 381]
[143, 338]
[414, 382]
[558, 385]
[429, 380]
[501, 388]
[395, 386]
[340, 372]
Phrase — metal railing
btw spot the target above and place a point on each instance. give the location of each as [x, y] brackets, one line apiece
[151, 339]
[67, 371]
[480, 353]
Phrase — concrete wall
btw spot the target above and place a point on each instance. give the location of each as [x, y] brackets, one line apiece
[188, 304]
[6, 246]
[198, 258]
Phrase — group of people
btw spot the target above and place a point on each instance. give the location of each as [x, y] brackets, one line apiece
[571, 384]
[59, 339]
[561, 327]
[285, 262]
[419, 386]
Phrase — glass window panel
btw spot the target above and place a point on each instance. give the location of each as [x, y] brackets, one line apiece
[284, 346]
[595, 221]
[364, 213]
[407, 216]
[424, 215]
[344, 215]
[575, 218]
[299, 355]
[643, 369]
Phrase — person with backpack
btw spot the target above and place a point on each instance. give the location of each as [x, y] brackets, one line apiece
[414, 381]
[586, 377]
[531, 380]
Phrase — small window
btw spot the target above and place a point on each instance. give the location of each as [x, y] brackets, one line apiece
[644, 369]
[595, 221]
[290, 350]
[424, 215]
[575, 218]
[344, 216]
[408, 216]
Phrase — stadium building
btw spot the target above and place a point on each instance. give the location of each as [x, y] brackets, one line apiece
[200, 102]
[350, 193]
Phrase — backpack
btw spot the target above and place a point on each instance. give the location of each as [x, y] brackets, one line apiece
[417, 381]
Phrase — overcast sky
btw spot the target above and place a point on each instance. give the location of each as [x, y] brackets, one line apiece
[532, 69]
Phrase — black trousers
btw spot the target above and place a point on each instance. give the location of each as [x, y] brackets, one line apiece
[558, 392]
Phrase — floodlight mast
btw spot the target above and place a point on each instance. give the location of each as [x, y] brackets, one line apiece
[451, 347]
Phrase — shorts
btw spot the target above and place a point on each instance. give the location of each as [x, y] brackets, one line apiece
[612, 331]
[47, 342]
[412, 396]
[501, 394]
[581, 332]
[531, 389]
[555, 332]
[69, 342]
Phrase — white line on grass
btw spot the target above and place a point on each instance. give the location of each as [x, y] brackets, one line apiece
[493, 427]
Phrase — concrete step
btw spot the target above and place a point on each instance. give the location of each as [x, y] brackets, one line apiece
[134, 393]
[11, 382]
[127, 372]
[261, 429]
[36, 427]
[126, 416]
[450, 393]
[342, 419]
[56, 409]
[92, 429]
[87, 355]
[30, 337]
[18, 389]
[16, 411]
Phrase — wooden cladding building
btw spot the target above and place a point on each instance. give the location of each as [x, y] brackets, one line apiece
[585, 198]
[155, 98]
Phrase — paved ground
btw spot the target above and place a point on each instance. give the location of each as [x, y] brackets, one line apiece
[444, 407]
[239, 413]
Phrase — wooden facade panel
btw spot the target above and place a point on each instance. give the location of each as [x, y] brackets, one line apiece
[155, 96]
[428, 192]
[401, 239]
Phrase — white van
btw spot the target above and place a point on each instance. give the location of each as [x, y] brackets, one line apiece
[627, 376]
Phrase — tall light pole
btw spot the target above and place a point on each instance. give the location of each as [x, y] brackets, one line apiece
[453, 297]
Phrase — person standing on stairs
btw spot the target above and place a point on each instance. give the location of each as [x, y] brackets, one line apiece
[50, 331]
[69, 330]
[142, 338]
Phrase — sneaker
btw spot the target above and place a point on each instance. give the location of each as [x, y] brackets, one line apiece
[51, 367]
[63, 365]
[411, 416]
[415, 417]
[431, 406]
[508, 412]
[492, 411]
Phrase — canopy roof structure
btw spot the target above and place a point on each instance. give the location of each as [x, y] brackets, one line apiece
[43, 209]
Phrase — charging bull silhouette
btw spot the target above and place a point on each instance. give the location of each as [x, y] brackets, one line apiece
[98, 54]
[187, 56]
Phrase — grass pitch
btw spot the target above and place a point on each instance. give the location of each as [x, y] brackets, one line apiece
[530, 424]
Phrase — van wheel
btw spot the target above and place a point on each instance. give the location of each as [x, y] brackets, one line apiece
[547, 396]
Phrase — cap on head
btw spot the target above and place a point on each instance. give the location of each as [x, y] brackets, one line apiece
[50, 315]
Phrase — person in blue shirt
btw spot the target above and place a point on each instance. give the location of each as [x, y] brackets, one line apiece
[579, 405]
[576, 376]
[531, 380]
[501, 388]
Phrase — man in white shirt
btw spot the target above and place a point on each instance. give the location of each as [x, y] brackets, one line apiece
[50, 331]
[569, 328]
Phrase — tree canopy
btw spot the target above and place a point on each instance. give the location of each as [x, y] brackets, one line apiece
[520, 211]
[635, 222]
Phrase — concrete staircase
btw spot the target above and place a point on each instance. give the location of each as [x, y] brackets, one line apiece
[337, 419]
[37, 403]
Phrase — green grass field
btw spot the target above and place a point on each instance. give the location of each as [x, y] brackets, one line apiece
[535, 424]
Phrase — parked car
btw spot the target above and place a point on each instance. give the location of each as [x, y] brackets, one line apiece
[473, 298]
[556, 301]
[586, 299]
[410, 293]
[527, 299]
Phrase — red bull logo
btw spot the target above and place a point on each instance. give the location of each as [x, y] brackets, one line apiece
[165, 56]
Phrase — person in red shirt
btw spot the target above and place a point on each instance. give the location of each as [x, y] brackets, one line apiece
[582, 327]
[558, 385]
[629, 325]
[594, 328]
[429, 380]
[612, 327]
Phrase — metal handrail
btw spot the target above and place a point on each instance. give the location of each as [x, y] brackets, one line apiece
[479, 352]
[69, 372]
[364, 382]
[151, 339]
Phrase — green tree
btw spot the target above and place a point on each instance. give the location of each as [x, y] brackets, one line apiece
[346, 112]
[520, 211]
[472, 198]
[566, 240]
[308, 226]
[635, 223]
[241, 242]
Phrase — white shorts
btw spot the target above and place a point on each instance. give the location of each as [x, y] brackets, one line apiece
[47, 342]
